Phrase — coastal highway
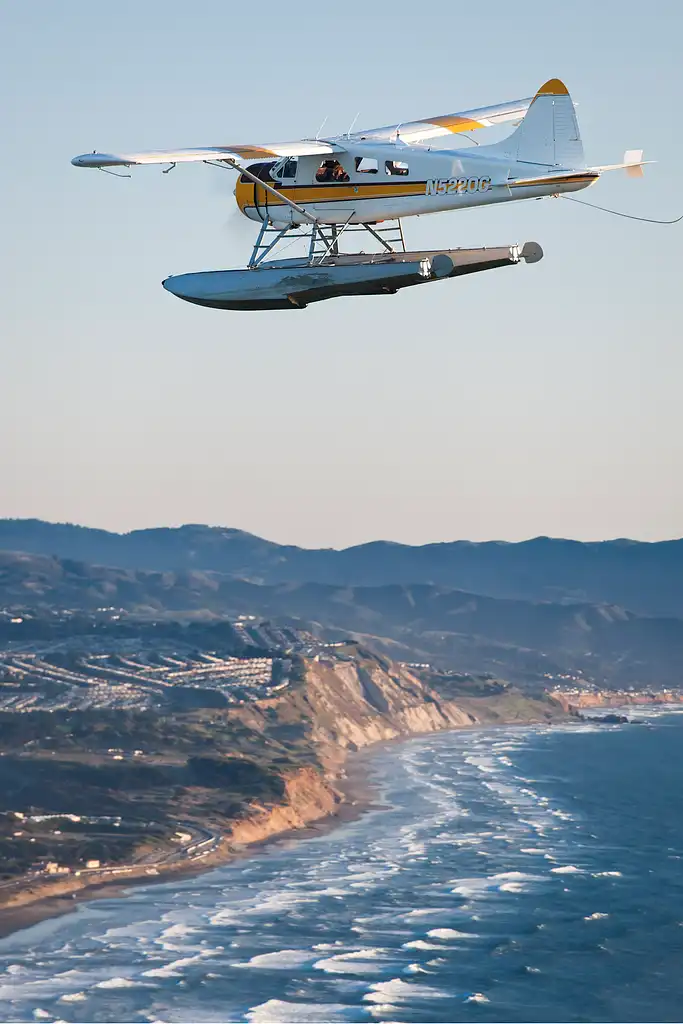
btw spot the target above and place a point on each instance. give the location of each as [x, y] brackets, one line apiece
[201, 842]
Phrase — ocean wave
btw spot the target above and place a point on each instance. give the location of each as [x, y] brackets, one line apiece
[117, 982]
[280, 959]
[450, 933]
[567, 869]
[338, 965]
[279, 1011]
[171, 970]
[269, 903]
[397, 991]
[421, 944]
[384, 1012]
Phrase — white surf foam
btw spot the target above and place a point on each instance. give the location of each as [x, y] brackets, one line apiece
[279, 1011]
[172, 970]
[281, 959]
[119, 983]
[397, 991]
[595, 917]
[477, 997]
[567, 869]
[338, 965]
[416, 969]
[471, 886]
[427, 912]
[449, 933]
[421, 944]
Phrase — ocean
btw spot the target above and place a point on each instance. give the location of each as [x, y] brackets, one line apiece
[515, 874]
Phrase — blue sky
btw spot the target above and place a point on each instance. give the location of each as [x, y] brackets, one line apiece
[536, 400]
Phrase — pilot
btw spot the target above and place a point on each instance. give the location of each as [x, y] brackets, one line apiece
[339, 174]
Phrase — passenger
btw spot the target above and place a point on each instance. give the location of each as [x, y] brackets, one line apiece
[325, 171]
[331, 170]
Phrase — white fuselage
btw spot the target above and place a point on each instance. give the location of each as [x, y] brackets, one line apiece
[404, 181]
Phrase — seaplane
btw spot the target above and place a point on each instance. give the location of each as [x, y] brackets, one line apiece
[330, 191]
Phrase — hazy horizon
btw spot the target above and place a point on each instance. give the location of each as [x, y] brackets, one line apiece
[337, 547]
[536, 400]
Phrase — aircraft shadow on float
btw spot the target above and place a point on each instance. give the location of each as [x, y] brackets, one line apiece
[327, 192]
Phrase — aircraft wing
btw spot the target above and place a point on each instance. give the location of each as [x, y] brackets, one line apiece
[448, 124]
[206, 153]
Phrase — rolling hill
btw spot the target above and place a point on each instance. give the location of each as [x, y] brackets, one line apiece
[519, 639]
[644, 577]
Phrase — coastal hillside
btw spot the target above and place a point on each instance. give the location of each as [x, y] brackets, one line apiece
[529, 642]
[645, 577]
[94, 795]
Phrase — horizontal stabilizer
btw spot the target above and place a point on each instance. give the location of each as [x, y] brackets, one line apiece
[632, 163]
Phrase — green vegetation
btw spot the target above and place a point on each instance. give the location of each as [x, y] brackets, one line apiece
[150, 769]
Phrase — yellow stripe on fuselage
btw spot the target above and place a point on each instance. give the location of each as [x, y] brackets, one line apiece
[333, 192]
[343, 192]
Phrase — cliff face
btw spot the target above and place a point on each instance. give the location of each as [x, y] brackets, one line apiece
[308, 797]
[613, 699]
[347, 705]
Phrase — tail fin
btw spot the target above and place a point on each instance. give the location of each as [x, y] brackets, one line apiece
[549, 132]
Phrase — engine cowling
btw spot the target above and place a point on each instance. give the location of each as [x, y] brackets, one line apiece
[251, 199]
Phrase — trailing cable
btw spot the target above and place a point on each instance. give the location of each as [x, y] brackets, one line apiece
[618, 213]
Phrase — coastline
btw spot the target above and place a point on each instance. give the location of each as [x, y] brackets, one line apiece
[355, 793]
[353, 709]
[357, 796]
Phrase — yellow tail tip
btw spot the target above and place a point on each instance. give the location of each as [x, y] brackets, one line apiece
[553, 87]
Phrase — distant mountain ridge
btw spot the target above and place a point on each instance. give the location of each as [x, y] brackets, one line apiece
[644, 577]
[521, 640]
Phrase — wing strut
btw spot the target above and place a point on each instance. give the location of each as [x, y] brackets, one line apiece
[257, 181]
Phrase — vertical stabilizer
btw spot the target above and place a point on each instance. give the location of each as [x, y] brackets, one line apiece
[549, 133]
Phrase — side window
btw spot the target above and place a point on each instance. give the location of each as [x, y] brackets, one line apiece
[331, 170]
[396, 167]
[366, 165]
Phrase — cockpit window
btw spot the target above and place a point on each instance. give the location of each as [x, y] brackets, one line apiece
[366, 165]
[331, 170]
[284, 169]
[396, 167]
